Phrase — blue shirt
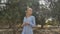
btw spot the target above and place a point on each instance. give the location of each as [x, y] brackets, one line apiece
[28, 29]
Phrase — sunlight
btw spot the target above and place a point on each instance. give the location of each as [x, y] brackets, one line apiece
[45, 4]
[50, 19]
[42, 2]
[3, 1]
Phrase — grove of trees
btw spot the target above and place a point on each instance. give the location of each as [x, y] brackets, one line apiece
[13, 11]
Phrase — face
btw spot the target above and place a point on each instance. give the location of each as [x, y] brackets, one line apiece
[29, 11]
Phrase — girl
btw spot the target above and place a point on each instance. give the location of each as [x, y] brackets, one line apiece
[28, 22]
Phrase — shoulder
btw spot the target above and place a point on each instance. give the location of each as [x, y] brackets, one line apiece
[33, 16]
[24, 17]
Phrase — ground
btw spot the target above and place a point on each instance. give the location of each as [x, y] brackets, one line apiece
[50, 30]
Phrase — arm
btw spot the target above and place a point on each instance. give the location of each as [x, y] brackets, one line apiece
[25, 23]
[33, 24]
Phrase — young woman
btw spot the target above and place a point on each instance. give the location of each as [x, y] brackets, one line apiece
[28, 22]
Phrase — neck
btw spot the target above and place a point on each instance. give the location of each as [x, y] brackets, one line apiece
[28, 15]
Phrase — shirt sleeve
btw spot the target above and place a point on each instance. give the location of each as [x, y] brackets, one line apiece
[33, 23]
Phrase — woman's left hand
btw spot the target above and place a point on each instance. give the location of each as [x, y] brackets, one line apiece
[27, 23]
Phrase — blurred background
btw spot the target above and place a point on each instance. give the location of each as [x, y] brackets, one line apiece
[47, 13]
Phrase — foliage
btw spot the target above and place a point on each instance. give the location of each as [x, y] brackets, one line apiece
[15, 11]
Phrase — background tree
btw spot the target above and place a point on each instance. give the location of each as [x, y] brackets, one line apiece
[13, 11]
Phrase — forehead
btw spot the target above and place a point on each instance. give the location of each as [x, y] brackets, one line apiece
[30, 9]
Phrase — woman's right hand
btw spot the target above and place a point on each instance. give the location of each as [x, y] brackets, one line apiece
[23, 24]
